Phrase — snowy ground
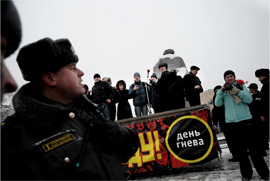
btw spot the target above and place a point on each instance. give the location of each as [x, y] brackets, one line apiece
[220, 170]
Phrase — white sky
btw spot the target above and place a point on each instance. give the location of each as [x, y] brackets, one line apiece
[118, 38]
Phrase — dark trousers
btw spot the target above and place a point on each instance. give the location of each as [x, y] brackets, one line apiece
[244, 138]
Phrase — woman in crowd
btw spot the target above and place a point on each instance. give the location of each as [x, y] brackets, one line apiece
[123, 108]
[235, 98]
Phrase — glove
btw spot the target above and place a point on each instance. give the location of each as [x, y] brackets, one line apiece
[233, 91]
[105, 134]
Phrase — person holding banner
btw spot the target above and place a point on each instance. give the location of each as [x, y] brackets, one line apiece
[57, 133]
[235, 98]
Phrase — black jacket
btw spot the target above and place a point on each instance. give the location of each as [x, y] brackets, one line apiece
[123, 108]
[265, 97]
[170, 91]
[101, 91]
[192, 94]
[255, 106]
[47, 140]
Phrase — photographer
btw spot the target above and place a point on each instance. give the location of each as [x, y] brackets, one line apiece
[137, 90]
[235, 98]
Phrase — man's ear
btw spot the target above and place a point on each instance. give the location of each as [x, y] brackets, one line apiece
[49, 79]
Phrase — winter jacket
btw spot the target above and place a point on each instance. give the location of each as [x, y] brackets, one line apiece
[265, 97]
[255, 106]
[46, 140]
[170, 91]
[139, 96]
[235, 112]
[123, 108]
[192, 94]
[101, 91]
[154, 97]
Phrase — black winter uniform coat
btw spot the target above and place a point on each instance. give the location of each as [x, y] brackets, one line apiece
[101, 91]
[265, 97]
[123, 108]
[47, 140]
[192, 94]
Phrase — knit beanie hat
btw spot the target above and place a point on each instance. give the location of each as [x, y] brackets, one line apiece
[253, 86]
[137, 73]
[96, 76]
[45, 55]
[11, 27]
[154, 75]
[229, 72]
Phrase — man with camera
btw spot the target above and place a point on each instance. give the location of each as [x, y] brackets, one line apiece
[137, 90]
[235, 98]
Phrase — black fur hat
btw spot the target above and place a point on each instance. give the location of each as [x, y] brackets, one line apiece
[11, 27]
[45, 55]
[163, 65]
[261, 72]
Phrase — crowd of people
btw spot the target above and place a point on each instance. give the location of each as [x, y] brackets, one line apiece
[62, 131]
[165, 93]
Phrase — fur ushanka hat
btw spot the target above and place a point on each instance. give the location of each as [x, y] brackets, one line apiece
[45, 55]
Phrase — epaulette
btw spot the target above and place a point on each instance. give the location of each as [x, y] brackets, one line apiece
[8, 122]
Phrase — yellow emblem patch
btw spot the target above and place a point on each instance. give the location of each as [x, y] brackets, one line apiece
[58, 142]
[72, 49]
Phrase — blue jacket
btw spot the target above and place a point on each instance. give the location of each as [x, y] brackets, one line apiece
[139, 96]
[235, 112]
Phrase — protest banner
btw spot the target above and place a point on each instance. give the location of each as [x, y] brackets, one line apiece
[177, 138]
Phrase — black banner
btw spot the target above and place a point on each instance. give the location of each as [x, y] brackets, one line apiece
[176, 141]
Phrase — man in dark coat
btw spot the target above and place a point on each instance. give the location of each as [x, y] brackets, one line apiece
[193, 86]
[112, 104]
[255, 108]
[263, 76]
[167, 89]
[102, 93]
[56, 132]
[154, 97]
[11, 33]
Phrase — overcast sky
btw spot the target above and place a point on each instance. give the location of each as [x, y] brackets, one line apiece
[118, 38]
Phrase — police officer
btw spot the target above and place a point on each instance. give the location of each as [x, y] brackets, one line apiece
[56, 132]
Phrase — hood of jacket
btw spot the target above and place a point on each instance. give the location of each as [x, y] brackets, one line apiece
[121, 81]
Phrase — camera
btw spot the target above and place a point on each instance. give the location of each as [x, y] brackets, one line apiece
[228, 86]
